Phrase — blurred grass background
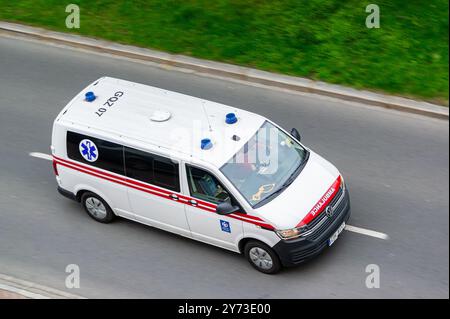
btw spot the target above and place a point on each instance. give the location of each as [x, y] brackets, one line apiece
[320, 39]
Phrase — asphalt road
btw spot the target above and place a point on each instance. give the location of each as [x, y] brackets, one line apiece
[396, 166]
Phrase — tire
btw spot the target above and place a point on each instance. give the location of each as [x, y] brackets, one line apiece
[262, 257]
[97, 208]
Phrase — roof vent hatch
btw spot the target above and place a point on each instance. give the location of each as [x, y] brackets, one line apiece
[160, 116]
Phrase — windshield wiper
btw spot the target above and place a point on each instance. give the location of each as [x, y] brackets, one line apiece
[271, 195]
[296, 171]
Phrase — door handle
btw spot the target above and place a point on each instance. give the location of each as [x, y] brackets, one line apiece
[193, 202]
[173, 196]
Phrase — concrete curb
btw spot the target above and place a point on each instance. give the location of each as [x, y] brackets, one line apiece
[31, 290]
[231, 71]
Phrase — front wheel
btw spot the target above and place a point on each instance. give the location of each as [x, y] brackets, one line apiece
[97, 208]
[262, 257]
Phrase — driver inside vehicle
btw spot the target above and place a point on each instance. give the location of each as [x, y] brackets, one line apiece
[205, 186]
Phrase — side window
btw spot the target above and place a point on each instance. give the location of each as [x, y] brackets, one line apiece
[166, 173]
[139, 165]
[152, 169]
[205, 186]
[95, 152]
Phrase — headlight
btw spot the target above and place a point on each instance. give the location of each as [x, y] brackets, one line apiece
[342, 182]
[290, 233]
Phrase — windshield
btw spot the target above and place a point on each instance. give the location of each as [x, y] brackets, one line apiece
[265, 165]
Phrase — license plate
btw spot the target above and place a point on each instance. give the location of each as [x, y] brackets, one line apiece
[336, 234]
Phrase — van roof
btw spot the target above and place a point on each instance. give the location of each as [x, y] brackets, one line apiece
[161, 120]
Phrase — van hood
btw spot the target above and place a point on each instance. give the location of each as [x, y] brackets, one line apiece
[308, 193]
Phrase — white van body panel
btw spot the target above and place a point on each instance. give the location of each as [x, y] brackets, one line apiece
[252, 231]
[159, 212]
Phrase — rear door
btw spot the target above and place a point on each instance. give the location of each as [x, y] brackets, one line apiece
[96, 165]
[206, 225]
[154, 191]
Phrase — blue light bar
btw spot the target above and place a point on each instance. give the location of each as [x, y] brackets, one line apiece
[230, 118]
[90, 96]
[206, 144]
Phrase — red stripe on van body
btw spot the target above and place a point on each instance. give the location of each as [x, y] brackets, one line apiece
[249, 216]
[116, 176]
[322, 203]
[125, 181]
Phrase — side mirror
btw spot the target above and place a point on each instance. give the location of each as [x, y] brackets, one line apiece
[296, 134]
[225, 208]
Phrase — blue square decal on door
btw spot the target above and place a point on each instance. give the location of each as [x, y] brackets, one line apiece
[225, 226]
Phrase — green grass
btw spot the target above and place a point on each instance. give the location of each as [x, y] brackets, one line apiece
[319, 39]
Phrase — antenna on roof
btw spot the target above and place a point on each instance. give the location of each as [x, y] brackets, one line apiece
[206, 114]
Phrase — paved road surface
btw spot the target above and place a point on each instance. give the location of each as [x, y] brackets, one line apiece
[396, 166]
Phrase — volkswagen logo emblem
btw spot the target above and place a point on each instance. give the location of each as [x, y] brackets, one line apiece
[329, 211]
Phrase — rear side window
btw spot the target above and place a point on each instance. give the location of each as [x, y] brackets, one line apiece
[152, 169]
[96, 152]
[139, 165]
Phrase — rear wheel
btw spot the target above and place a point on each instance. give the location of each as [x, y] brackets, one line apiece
[97, 208]
[262, 257]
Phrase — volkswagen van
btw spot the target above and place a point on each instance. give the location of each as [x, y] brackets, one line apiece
[200, 169]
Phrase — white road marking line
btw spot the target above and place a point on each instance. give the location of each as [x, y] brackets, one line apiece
[22, 292]
[41, 155]
[367, 232]
[33, 290]
[354, 229]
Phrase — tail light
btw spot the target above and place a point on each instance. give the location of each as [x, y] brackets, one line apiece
[55, 169]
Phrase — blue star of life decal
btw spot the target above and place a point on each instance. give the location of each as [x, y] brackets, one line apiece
[88, 150]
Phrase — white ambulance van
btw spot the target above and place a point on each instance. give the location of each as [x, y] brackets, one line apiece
[200, 169]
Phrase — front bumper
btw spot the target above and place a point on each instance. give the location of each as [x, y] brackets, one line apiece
[295, 251]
